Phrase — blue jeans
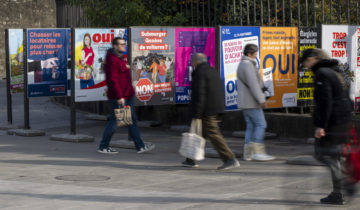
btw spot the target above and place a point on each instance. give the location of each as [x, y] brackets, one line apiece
[86, 83]
[111, 126]
[255, 125]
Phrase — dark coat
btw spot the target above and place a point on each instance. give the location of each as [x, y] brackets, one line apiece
[333, 105]
[207, 95]
[118, 77]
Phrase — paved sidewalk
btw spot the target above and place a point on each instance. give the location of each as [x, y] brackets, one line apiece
[36, 173]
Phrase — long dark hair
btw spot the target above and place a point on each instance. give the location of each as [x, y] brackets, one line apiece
[87, 35]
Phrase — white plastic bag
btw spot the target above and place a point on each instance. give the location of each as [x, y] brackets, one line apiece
[192, 143]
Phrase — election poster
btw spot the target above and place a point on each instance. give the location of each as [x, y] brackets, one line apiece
[339, 41]
[15, 47]
[189, 41]
[308, 38]
[279, 55]
[153, 65]
[47, 62]
[233, 41]
[91, 46]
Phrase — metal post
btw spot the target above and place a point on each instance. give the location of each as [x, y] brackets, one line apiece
[192, 13]
[283, 12]
[348, 11]
[322, 12]
[241, 13]
[275, 9]
[234, 5]
[330, 12]
[339, 12]
[203, 10]
[215, 5]
[268, 11]
[228, 11]
[314, 1]
[72, 97]
[299, 19]
[247, 12]
[261, 12]
[221, 12]
[254, 12]
[209, 16]
[26, 99]
[291, 16]
[357, 13]
[307, 13]
[8, 78]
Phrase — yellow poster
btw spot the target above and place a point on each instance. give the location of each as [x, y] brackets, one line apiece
[279, 58]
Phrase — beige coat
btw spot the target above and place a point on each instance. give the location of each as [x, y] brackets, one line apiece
[250, 96]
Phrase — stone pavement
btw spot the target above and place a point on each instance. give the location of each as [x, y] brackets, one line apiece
[37, 173]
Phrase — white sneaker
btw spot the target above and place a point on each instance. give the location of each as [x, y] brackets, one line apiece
[109, 151]
[147, 148]
[262, 157]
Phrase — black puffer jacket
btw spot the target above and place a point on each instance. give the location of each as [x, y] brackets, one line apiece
[207, 95]
[333, 105]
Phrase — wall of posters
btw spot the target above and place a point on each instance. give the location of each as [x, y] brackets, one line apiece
[232, 41]
[91, 46]
[189, 41]
[340, 43]
[47, 62]
[16, 37]
[153, 64]
[308, 38]
[279, 52]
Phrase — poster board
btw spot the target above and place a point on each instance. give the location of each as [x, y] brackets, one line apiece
[153, 65]
[47, 62]
[16, 56]
[91, 46]
[189, 41]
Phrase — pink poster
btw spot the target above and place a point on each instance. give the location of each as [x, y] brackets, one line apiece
[189, 41]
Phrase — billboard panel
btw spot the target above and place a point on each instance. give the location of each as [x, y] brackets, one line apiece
[91, 46]
[153, 64]
[16, 57]
[47, 62]
[232, 42]
[189, 41]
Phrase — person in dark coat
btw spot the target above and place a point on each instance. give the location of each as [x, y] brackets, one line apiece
[207, 101]
[120, 92]
[332, 116]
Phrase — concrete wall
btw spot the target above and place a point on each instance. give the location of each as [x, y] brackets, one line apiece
[24, 14]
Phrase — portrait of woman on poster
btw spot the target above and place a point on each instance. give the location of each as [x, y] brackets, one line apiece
[87, 62]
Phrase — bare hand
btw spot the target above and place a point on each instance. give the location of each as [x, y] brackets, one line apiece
[263, 105]
[128, 66]
[319, 132]
[121, 101]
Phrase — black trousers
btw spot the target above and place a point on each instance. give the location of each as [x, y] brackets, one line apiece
[329, 150]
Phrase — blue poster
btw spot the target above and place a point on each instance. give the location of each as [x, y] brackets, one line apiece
[233, 40]
[47, 51]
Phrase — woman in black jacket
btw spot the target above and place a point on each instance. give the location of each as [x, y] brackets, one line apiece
[332, 115]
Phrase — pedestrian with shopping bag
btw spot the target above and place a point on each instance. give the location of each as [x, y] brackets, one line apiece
[206, 103]
[332, 117]
[121, 94]
[252, 101]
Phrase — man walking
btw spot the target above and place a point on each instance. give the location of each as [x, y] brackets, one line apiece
[206, 103]
[251, 100]
[120, 93]
[332, 118]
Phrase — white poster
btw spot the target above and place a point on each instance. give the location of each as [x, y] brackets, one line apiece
[233, 52]
[90, 54]
[339, 41]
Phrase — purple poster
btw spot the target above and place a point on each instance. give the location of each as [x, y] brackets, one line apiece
[189, 41]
